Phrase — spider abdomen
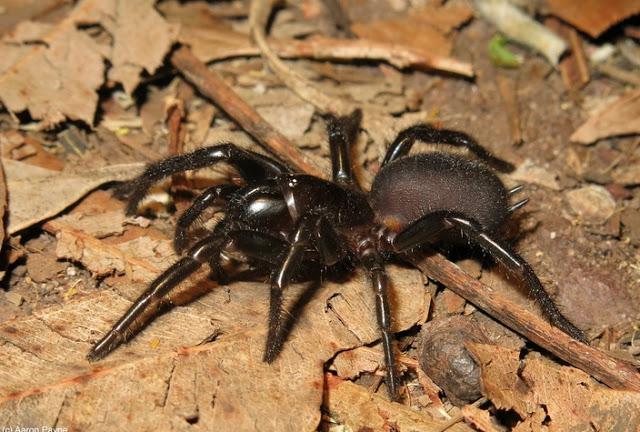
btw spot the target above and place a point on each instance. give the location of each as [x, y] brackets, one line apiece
[411, 187]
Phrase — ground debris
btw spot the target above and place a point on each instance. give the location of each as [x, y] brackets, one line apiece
[45, 358]
[569, 397]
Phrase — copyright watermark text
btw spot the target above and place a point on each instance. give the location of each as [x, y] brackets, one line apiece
[33, 429]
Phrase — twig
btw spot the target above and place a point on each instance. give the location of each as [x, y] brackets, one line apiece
[323, 48]
[258, 16]
[213, 86]
[615, 373]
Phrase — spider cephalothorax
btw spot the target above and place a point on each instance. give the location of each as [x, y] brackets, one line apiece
[288, 224]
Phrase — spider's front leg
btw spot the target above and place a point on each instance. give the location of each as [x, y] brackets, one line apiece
[312, 232]
[374, 265]
[142, 310]
[252, 167]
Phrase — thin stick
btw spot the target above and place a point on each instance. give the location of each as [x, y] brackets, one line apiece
[213, 86]
[258, 17]
[615, 373]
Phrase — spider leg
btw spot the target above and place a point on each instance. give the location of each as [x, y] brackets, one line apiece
[424, 230]
[154, 296]
[259, 245]
[312, 232]
[280, 278]
[252, 166]
[429, 134]
[190, 215]
[374, 265]
[516, 264]
[342, 133]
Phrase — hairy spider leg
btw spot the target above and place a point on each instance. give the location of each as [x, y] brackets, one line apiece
[154, 296]
[435, 224]
[206, 199]
[374, 265]
[426, 229]
[252, 167]
[517, 265]
[280, 278]
[429, 134]
[342, 132]
[312, 231]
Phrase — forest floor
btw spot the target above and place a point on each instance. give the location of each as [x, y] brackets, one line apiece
[93, 91]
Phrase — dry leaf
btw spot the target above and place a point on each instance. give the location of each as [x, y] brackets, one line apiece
[359, 410]
[141, 40]
[594, 16]
[551, 397]
[434, 23]
[620, 117]
[54, 70]
[223, 385]
[37, 194]
[15, 11]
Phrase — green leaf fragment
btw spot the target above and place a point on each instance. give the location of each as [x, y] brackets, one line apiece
[500, 55]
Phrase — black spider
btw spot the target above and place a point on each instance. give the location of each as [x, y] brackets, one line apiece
[292, 223]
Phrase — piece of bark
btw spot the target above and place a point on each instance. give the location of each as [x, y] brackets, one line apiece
[574, 68]
[481, 419]
[568, 398]
[614, 373]
[222, 385]
[353, 406]
[593, 16]
[37, 194]
[620, 117]
[509, 93]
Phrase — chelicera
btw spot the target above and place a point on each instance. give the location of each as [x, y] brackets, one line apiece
[288, 224]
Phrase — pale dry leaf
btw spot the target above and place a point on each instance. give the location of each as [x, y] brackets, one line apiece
[223, 385]
[620, 117]
[54, 70]
[55, 78]
[15, 11]
[36, 194]
[569, 397]
[352, 363]
[353, 406]
[529, 172]
[142, 38]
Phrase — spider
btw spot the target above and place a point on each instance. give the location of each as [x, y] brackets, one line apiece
[290, 223]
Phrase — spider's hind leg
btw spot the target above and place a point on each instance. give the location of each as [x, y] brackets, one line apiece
[429, 134]
[516, 264]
